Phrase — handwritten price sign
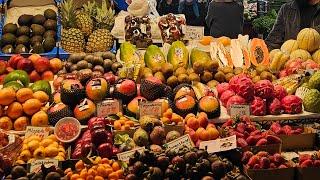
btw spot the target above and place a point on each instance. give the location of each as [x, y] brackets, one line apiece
[38, 131]
[150, 108]
[183, 141]
[193, 32]
[108, 107]
[219, 145]
[125, 156]
[239, 110]
[36, 165]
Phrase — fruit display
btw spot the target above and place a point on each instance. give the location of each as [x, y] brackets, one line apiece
[171, 27]
[35, 34]
[307, 160]
[87, 30]
[138, 31]
[264, 160]
[19, 172]
[287, 130]
[34, 147]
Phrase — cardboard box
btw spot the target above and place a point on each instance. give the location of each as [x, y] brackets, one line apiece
[270, 148]
[298, 141]
[271, 174]
[307, 173]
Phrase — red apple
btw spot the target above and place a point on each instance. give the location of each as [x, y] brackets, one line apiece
[13, 61]
[47, 75]
[126, 87]
[105, 150]
[25, 64]
[9, 69]
[154, 80]
[110, 77]
[42, 64]
[34, 76]
[3, 66]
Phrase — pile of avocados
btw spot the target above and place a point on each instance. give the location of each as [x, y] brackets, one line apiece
[34, 34]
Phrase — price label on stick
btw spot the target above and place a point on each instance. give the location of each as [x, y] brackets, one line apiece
[108, 107]
[219, 145]
[183, 141]
[125, 156]
[193, 32]
[239, 110]
[38, 131]
[150, 108]
[36, 165]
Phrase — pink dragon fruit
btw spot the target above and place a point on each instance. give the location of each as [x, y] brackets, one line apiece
[275, 107]
[243, 86]
[294, 65]
[222, 88]
[258, 106]
[225, 96]
[280, 92]
[283, 73]
[235, 100]
[264, 89]
[292, 104]
[310, 64]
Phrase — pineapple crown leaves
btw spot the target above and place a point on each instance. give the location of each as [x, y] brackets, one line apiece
[68, 14]
[90, 8]
[105, 16]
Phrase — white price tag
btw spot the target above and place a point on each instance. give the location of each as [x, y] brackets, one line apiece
[36, 165]
[125, 156]
[239, 110]
[38, 131]
[183, 141]
[219, 145]
[150, 108]
[108, 107]
[193, 32]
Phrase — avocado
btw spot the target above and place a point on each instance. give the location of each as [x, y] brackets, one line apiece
[23, 30]
[50, 14]
[38, 19]
[49, 33]
[48, 44]
[8, 38]
[7, 49]
[50, 24]
[20, 48]
[37, 48]
[25, 40]
[10, 28]
[25, 20]
[37, 29]
[35, 39]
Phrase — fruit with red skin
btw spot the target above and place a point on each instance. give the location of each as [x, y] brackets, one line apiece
[241, 142]
[105, 150]
[280, 92]
[256, 132]
[316, 163]
[228, 123]
[264, 163]
[42, 64]
[251, 141]
[273, 139]
[221, 88]
[9, 69]
[86, 148]
[278, 159]
[283, 73]
[256, 166]
[127, 87]
[2, 78]
[271, 158]
[34, 76]
[292, 104]
[235, 100]
[258, 106]
[304, 157]
[94, 121]
[25, 64]
[307, 163]
[262, 142]
[154, 80]
[275, 107]
[253, 160]
[241, 127]
[99, 136]
[264, 89]
[56, 107]
[287, 129]
[282, 166]
[246, 156]
[3, 66]
[262, 154]
[276, 128]
[225, 96]
[13, 61]
[47, 75]
[110, 77]
[192, 135]
[238, 135]
[273, 166]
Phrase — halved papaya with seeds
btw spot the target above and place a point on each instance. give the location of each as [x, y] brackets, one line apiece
[246, 58]
[259, 53]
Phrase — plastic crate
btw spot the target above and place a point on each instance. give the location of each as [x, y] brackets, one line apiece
[53, 53]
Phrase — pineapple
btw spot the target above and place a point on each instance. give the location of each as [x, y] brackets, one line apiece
[100, 40]
[84, 23]
[72, 39]
[105, 16]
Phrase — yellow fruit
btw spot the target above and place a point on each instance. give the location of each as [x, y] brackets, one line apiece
[308, 39]
[59, 158]
[21, 123]
[41, 96]
[20, 162]
[289, 46]
[31, 106]
[14, 110]
[300, 53]
[46, 142]
[24, 146]
[6, 123]
[39, 153]
[51, 151]
[33, 137]
[52, 137]
[61, 154]
[54, 144]
[40, 119]
[7, 96]
[316, 56]
[24, 94]
[33, 145]
[31, 160]
[61, 149]
[79, 165]
[25, 155]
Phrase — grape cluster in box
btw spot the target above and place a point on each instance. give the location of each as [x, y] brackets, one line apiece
[248, 134]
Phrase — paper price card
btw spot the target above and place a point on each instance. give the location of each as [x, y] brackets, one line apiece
[36, 165]
[125, 156]
[150, 108]
[183, 141]
[108, 107]
[219, 145]
[239, 110]
[39, 131]
[193, 32]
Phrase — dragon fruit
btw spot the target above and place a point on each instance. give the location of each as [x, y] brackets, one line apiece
[275, 107]
[225, 96]
[310, 64]
[258, 106]
[264, 89]
[235, 100]
[292, 104]
[222, 88]
[280, 92]
[294, 66]
[243, 86]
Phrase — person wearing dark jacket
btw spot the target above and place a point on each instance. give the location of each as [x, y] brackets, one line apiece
[225, 18]
[168, 6]
[292, 17]
[190, 9]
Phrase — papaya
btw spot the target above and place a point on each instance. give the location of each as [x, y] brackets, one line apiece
[259, 53]
[178, 55]
[199, 56]
[18, 75]
[41, 85]
[154, 57]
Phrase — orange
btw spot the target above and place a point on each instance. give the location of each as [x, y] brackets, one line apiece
[69, 174]
[129, 123]
[176, 118]
[101, 171]
[24, 94]
[79, 165]
[105, 161]
[122, 128]
[40, 119]
[193, 123]
[31, 106]
[204, 135]
[90, 177]
[122, 121]
[98, 178]
[126, 127]
[75, 177]
[92, 172]
[34, 58]
[15, 110]
[7, 96]
[213, 133]
[199, 131]
[6, 123]
[113, 175]
[189, 116]
[120, 173]
[116, 166]
[84, 173]
[117, 125]
[210, 125]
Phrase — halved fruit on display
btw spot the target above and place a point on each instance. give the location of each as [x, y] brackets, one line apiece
[220, 53]
[240, 56]
[259, 53]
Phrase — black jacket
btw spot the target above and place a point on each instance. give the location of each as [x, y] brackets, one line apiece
[225, 18]
[287, 25]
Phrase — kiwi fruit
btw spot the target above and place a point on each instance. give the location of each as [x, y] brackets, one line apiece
[266, 75]
[7, 49]
[82, 64]
[115, 66]
[17, 172]
[90, 66]
[73, 67]
[20, 48]
[89, 58]
[256, 79]
[10, 28]
[220, 76]
[23, 30]
[194, 77]
[50, 14]
[160, 76]
[37, 48]
[108, 55]
[229, 76]
[98, 68]
[198, 67]
[37, 29]
[212, 66]
[53, 176]
[180, 70]
[206, 76]
[261, 68]
[212, 83]
[49, 43]
[156, 69]
[8, 38]
[50, 24]
[97, 60]
[107, 63]
[35, 39]
[237, 70]
[167, 69]
[25, 40]
[227, 70]
[50, 33]
[38, 19]
[172, 81]
[183, 78]
[25, 20]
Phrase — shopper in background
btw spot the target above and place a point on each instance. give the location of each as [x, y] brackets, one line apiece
[225, 18]
[292, 17]
[191, 11]
[168, 6]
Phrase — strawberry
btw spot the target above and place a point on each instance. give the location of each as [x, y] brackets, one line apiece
[257, 166]
[282, 166]
[229, 122]
[278, 159]
[241, 142]
[262, 142]
[241, 127]
[307, 163]
[265, 163]
[246, 156]
[273, 139]
[253, 160]
[256, 132]
[251, 141]
[263, 154]
[316, 163]
[287, 129]
[304, 157]
[273, 166]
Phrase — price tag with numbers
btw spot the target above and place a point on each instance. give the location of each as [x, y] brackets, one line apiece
[108, 107]
[38, 131]
[36, 165]
[193, 32]
[219, 145]
[150, 108]
[125, 156]
[239, 110]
